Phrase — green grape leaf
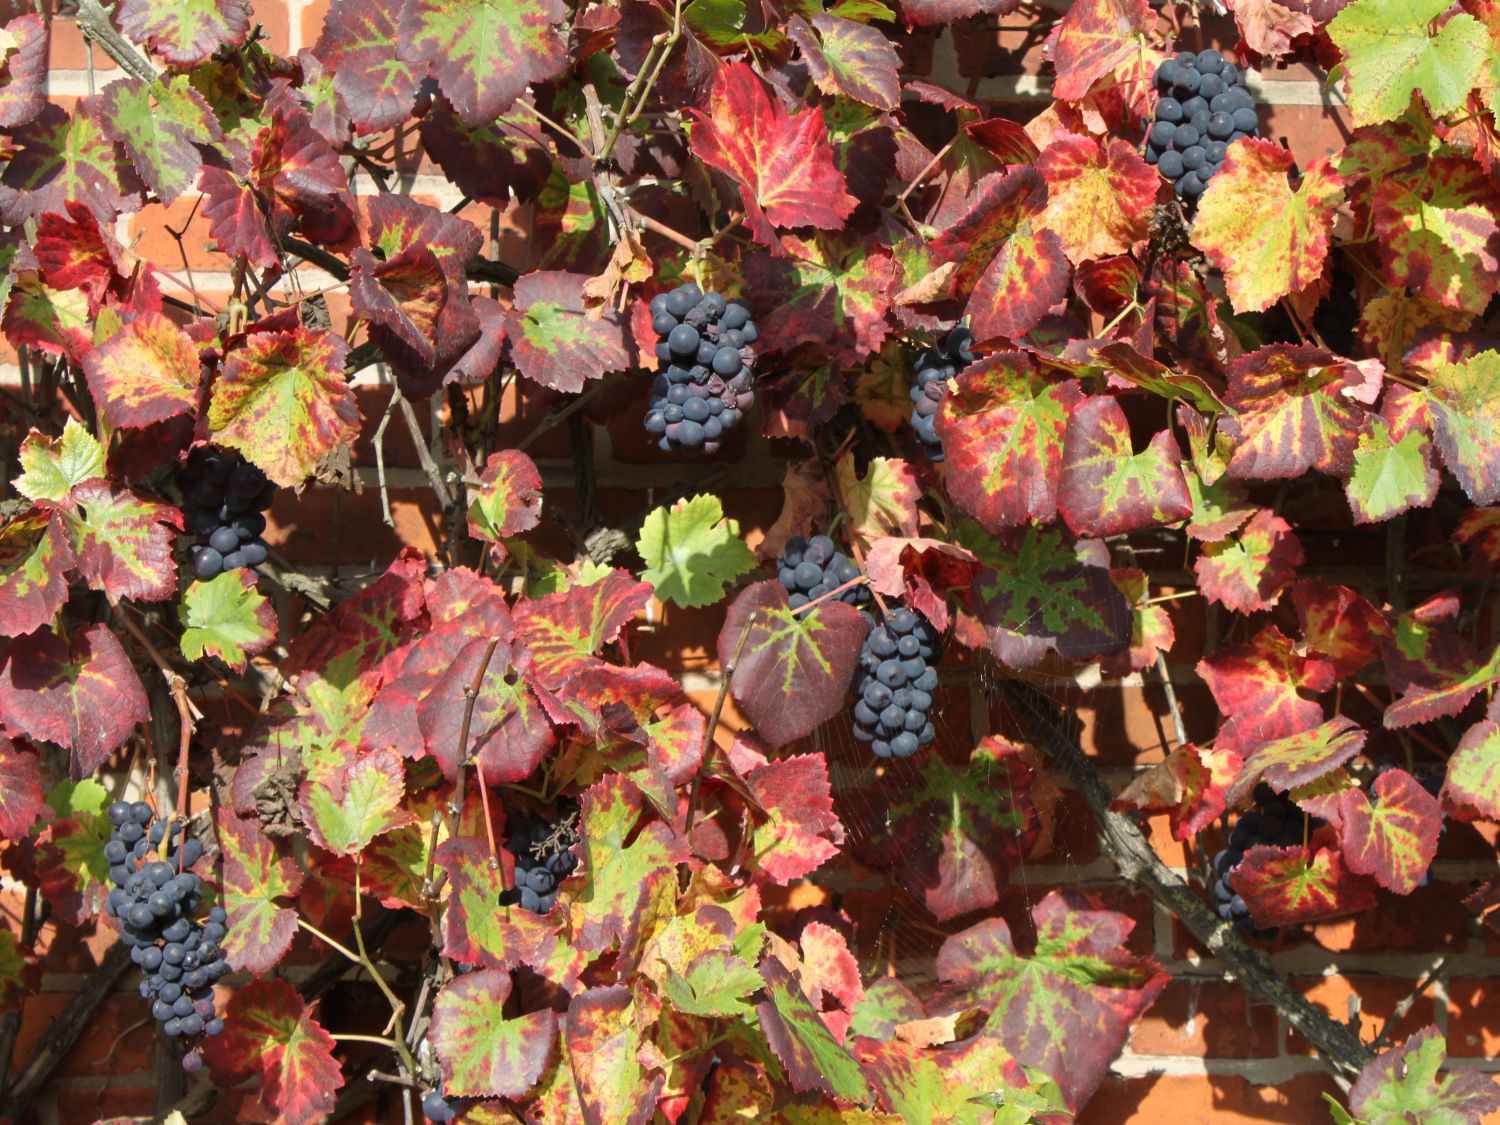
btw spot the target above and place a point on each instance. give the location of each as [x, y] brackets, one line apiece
[1405, 1084]
[692, 552]
[226, 617]
[1473, 777]
[813, 1058]
[1393, 48]
[1464, 401]
[52, 467]
[34, 565]
[1391, 477]
[361, 800]
[161, 124]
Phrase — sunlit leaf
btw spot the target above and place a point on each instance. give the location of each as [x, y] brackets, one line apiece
[692, 552]
[227, 618]
[270, 1033]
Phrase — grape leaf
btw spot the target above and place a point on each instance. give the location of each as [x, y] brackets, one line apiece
[67, 159]
[161, 125]
[1393, 49]
[1270, 29]
[226, 617]
[1300, 757]
[1247, 573]
[282, 401]
[564, 632]
[930, 13]
[782, 162]
[1395, 836]
[1464, 401]
[121, 541]
[270, 1033]
[1092, 39]
[1183, 785]
[1098, 199]
[33, 573]
[360, 44]
[692, 552]
[1403, 1084]
[74, 253]
[555, 342]
[922, 573]
[1435, 670]
[605, 1052]
[71, 871]
[406, 295]
[23, 69]
[1002, 431]
[147, 372]
[800, 831]
[256, 876]
[1256, 686]
[946, 1086]
[185, 32]
[791, 671]
[483, 55]
[813, 1058]
[884, 501]
[1473, 776]
[483, 1054]
[1338, 624]
[848, 58]
[1268, 240]
[1295, 411]
[1068, 1008]
[491, 163]
[1390, 477]
[21, 801]
[1011, 266]
[53, 467]
[1103, 488]
[507, 499]
[235, 222]
[1285, 886]
[81, 693]
[360, 801]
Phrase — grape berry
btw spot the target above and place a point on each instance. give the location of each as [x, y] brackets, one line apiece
[153, 903]
[1202, 110]
[224, 499]
[934, 367]
[1275, 821]
[544, 858]
[810, 568]
[894, 683]
[706, 382]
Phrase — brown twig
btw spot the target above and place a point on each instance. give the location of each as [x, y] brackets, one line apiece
[726, 674]
[434, 882]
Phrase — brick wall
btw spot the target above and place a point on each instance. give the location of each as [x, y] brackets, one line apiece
[1204, 1052]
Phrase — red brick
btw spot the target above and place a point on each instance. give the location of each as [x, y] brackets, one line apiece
[1209, 1019]
[1473, 1032]
[109, 1037]
[1377, 999]
[1221, 1099]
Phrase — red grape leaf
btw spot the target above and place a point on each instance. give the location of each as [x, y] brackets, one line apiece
[1103, 488]
[1038, 594]
[360, 45]
[491, 163]
[483, 55]
[929, 13]
[813, 1058]
[1269, 29]
[1394, 837]
[1464, 402]
[1294, 411]
[1186, 315]
[1473, 777]
[34, 566]
[1098, 199]
[362, 800]
[849, 58]
[82, 694]
[146, 372]
[782, 162]
[1436, 232]
[1404, 1083]
[1299, 758]
[1283, 886]
[283, 401]
[1151, 631]
[235, 222]
[1247, 573]
[555, 342]
[161, 125]
[805, 504]
[56, 322]
[1010, 265]
[956, 832]
[74, 253]
[509, 730]
[603, 1042]
[1435, 670]
[1479, 530]
[565, 632]
[922, 572]
[256, 877]
[270, 1033]
[1268, 240]
[1093, 38]
[507, 499]
[1256, 685]
[298, 174]
[1128, 368]
[1340, 624]
[484, 1054]
[121, 541]
[1002, 425]
[791, 671]
[405, 294]
[1183, 786]
[185, 32]
[65, 158]
[21, 800]
[1068, 1008]
[23, 69]
[800, 831]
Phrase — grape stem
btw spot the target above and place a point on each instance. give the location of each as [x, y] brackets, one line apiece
[726, 674]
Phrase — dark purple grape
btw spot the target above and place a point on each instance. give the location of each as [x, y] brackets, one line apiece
[1170, 165]
[1246, 121]
[1169, 110]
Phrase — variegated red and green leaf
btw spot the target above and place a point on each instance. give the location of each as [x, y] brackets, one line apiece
[1257, 686]
[555, 342]
[1103, 488]
[1433, 668]
[850, 58]
[1473, 775]
[1286, 886]
[800, 830]
[146, 372]
[813, 1058]
[161, 125]
[1405, 1083]
[1393, 837]
[1464, 402]
[1248, 571]
[1099, 197]
[21, 800]
[256, 878]
[360, 801]
[1294, 411]
[270, 1033]
[185, 32]
[1092, 39]
[1183, 785]
[23, 69]
[64, 159]
[34, 565]
[360, 44]
[1299, 758]
[507, 498]
[484, 1054]
[882, 502]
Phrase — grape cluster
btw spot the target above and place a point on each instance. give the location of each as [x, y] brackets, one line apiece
[1203, 109]
[934, 367]
[1275, 821]
[224, 499]
[544, 858]
[436, 1106]
[706, 382]
[893, 685]
[810, 568]
[153, 903]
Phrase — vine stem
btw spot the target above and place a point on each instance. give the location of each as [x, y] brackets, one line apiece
[95, 24]
[725, 675]
[434, 881]
[640, 89]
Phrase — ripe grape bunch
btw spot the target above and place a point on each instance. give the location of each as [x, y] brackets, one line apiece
[1203, 109]
[810, 568]
[224, 500]
[934, 367]
[544, 858]
[153, 903]
[706, 382]
[1275, 821]
[893, 685]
